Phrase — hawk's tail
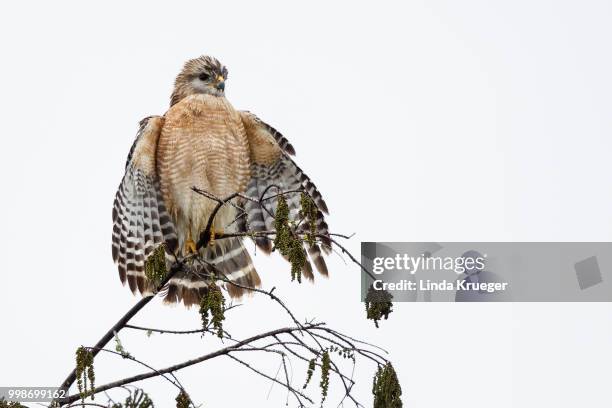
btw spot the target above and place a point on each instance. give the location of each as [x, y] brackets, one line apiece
[227, 257]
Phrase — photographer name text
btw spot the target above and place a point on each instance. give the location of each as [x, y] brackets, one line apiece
[444, 285]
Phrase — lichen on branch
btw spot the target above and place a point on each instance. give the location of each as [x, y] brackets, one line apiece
[212, 309]
[309, 212]
[386, 388]
[325, 366]
[85, 373]
[378, 304]
[286, 241]
[155, 266]
[182, 400]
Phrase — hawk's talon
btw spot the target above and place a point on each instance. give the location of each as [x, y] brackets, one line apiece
[214, 232]
[211, 241]
[190, 246]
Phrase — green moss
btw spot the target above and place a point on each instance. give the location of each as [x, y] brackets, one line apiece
[386, 388]
[311, 368]
[325, 366]
[212, 309]
[297, 259]
[120, 349]
[309, 213]
[182, 400]
[281, 226]
[287, 242]
[378, 304]
[155, 265]
[85, 372]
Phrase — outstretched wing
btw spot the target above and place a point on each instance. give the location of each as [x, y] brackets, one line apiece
[140, 220]
[271, 165]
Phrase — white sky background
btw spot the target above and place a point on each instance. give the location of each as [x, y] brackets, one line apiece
[419, 121]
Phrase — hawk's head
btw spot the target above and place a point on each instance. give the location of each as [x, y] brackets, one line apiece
[202, 75]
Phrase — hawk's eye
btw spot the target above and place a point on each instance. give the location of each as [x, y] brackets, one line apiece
[204, 77]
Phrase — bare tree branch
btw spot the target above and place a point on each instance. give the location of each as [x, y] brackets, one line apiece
[310, 338]
[176, 367]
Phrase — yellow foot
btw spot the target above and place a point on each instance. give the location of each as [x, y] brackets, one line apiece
[190, 247]
[214, 232]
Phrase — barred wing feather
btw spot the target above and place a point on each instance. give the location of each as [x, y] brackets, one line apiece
[272, 170]
[140, 220]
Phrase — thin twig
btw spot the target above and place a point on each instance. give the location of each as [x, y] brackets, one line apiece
[176, 367]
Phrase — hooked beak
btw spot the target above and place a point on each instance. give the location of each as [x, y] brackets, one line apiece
[221, 83]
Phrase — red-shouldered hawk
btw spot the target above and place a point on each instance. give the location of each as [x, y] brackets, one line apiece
[203, 142]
